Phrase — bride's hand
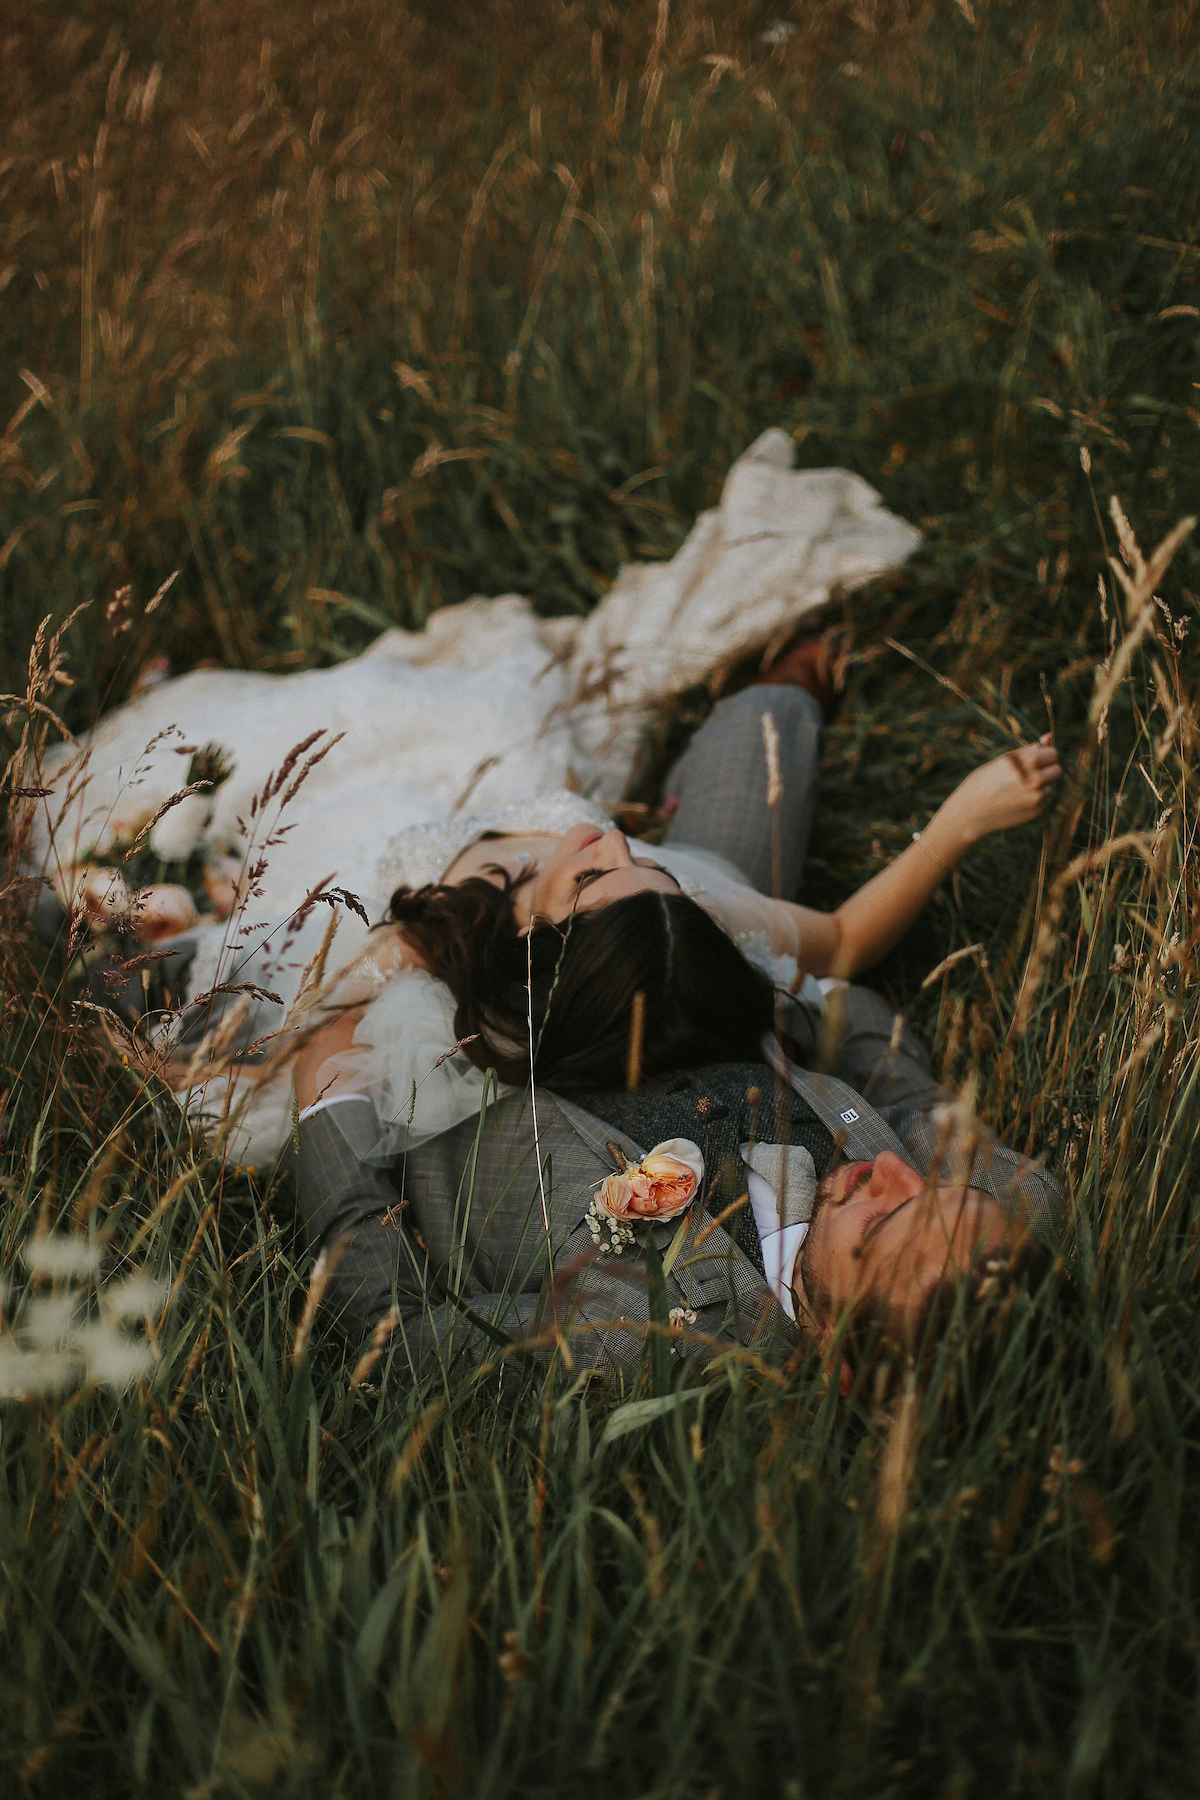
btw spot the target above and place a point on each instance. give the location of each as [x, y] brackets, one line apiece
[1010, 790]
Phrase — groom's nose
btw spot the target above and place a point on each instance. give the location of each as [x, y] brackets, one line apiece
[893, 1181]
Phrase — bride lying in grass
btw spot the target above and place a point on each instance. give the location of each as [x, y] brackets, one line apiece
[542, 940]
[517, 942]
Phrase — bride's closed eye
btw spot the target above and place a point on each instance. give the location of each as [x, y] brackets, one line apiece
[515, 878]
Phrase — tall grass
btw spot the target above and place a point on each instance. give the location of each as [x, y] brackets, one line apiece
[345, 313]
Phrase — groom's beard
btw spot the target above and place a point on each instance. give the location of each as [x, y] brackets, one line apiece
[828, 1183]
[817, 1298]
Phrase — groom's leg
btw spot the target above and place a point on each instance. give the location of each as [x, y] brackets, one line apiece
[718, 788]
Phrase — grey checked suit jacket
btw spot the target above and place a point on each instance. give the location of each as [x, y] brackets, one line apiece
[482, 1240]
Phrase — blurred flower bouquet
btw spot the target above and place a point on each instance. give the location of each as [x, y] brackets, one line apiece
[163, 879]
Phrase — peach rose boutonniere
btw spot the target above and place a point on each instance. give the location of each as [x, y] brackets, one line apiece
[659, 1187]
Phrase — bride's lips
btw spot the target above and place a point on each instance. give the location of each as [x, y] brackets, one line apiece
[590, 836]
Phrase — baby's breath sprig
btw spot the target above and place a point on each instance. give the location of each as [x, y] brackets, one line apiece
[610, 1235]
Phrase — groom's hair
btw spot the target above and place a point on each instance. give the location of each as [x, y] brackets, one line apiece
[574, 986]
[988, 1291]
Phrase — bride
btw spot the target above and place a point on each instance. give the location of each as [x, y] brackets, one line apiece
[518, 941]
[491, 705]
[543, 940]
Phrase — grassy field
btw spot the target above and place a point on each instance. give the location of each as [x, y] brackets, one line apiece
[345, 312]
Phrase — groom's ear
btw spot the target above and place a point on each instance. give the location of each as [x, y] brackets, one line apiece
[837, 1367]
[820, 1341]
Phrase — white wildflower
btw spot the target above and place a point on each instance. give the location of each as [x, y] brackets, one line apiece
[113, 1357]
[50, 1320]
[53, 1345]
[137, 1297]
[25, 1374]
[61, 1257]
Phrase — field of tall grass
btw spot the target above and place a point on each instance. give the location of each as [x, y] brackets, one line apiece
[343, 312]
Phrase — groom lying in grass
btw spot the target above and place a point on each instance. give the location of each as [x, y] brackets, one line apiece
[491, 1233]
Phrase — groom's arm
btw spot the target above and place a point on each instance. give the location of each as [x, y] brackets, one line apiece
[353, 1214]
[425, 1254]
[876, 1052]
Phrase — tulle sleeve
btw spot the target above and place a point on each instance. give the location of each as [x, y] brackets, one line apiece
[405, 1059]
[402, 1056]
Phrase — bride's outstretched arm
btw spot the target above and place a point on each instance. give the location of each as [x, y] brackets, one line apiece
[1010, 790]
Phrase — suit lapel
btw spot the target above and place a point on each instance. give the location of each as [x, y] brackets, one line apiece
[857, 1128]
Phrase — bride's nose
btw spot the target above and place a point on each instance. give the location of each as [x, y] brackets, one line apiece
[614, 849]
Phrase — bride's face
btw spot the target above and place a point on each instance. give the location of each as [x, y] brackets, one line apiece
[586, 869]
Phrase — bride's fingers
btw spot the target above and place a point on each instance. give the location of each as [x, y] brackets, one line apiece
[1041, 760]
[1033, 763]
[1046, 780]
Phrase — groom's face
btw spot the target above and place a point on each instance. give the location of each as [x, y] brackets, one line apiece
[881, 1232]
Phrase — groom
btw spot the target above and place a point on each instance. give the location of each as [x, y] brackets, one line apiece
[483, 1235]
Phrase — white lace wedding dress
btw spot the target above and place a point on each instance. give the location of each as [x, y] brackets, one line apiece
[487, 708]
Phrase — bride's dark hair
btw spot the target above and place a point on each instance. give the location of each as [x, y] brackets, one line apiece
[703, 1002]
